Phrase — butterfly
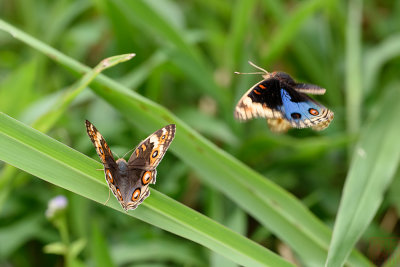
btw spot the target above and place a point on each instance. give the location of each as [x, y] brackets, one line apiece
[129, 181]
[283, 102]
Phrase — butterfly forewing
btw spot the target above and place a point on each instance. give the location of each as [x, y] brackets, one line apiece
[101, 146]
[148, 154]
[311, 89]
[110, 166]
[261, 101]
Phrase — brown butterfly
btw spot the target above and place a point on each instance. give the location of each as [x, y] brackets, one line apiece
[129, 181]
[283, 102]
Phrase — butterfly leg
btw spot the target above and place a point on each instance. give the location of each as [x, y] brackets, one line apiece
[108, 197]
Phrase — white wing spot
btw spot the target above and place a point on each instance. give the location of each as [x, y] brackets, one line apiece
[154, 140]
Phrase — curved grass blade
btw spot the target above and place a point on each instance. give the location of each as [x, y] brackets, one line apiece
[47, 120]
[39, 155]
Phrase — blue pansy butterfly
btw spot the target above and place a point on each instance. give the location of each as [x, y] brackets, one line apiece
[283, 102]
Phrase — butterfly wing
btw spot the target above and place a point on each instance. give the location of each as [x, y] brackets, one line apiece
[301, 111]
[142, 165]
[307, 88]
[279, 125]
[111, 171]
[148, 154]
[263, 100]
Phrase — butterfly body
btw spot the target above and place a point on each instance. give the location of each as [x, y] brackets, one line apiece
[284, 103]
[129, 180]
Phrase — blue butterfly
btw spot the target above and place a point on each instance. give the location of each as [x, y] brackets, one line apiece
[284, 103]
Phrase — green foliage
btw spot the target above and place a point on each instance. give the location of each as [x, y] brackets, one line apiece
[223, 184]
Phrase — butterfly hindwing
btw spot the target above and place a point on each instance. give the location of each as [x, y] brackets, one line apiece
[143, 162]
[129, 181]
[302, 111]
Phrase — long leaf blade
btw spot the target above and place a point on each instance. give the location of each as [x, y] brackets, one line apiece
[373, 166]
[38, 154]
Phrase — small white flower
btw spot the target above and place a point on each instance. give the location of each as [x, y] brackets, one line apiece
[56, 204]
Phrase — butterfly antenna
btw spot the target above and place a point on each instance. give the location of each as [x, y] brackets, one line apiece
[115, 154]
[128, 152]
[236, 72]
[257, 67]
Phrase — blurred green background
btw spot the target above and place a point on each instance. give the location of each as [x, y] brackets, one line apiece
[186, 53]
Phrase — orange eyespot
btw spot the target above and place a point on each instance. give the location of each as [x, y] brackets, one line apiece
[146, 178]
[155, 153]
[313, 111]
[109, 176]
[100, 150]
[136, 194]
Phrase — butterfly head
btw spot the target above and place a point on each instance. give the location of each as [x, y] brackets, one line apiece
[122, 166]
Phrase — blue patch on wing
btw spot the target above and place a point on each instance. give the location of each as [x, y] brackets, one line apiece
[297, 111]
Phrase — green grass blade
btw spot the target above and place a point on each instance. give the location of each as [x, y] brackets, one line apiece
[373, 166]
[143, 15]
[99, 248]
[394, 259]
[242, 13]
[273, 207]
[376, 57]
[47, 120]
[280, 40]
[22, 81]
[353, 66]
[38, 154]
[163, 250]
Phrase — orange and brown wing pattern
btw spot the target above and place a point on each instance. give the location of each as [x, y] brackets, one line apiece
[150, 152]
[100, 144]
[129, 181]
[105, 154]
